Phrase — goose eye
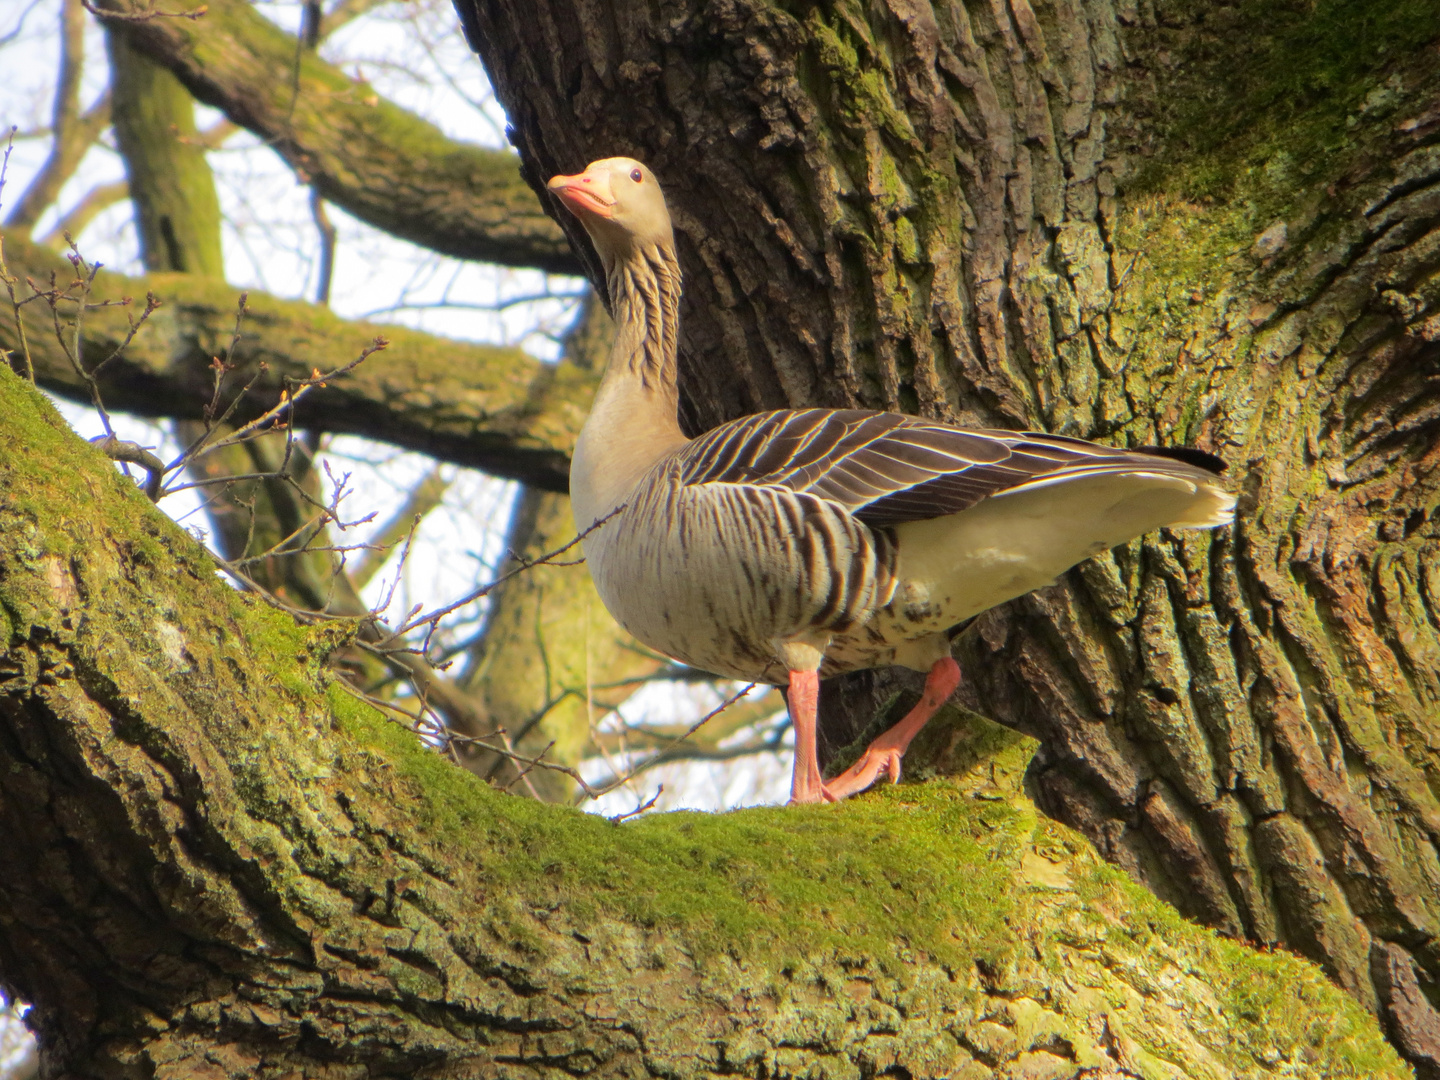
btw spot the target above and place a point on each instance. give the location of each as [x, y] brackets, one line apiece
[635, 175]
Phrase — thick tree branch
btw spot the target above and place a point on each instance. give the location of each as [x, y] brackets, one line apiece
[221, 866]
[71, 131]
[386, 166]
[488, 407]
[177, 211]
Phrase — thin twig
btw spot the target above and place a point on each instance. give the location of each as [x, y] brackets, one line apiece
[426, 496]
[664, 753]
[618, 818]
[293, 391]
[10, 280]
[290, 395]
[434, 617]
[152, 304]
[524, 773]
[78, 292]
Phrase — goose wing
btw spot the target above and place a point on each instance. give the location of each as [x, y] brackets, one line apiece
[887, 469]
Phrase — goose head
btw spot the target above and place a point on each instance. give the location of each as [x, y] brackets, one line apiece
[620, 204]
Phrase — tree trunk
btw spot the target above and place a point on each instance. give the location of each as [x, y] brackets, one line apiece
[177, 213]
[221, 865]
[1173, 224]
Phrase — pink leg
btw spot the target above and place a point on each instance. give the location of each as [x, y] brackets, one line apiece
[804, 694]
[883, 755]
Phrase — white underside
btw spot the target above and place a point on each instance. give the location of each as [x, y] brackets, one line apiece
[955, 567]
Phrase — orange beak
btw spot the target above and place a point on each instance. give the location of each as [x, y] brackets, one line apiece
[584, 194]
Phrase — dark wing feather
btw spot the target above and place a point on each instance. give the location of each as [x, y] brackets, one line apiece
[887, 469]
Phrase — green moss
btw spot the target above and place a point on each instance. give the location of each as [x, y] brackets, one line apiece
[177, 212]
[961, 872]
[1259, 100]
[860, 75]
[793, 880]
[1275, 1003]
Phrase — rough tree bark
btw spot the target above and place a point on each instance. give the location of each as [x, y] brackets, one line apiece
[223, 866]
[1206, 224]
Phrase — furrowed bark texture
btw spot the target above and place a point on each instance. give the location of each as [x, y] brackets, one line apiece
[222, 866]
[489, 407]
[383, 164]
[1216, 225]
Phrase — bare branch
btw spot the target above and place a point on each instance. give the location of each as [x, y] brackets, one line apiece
[7, 38]
[92, 203]
[278, 415]
[432, 619]
[641, 808]
[11, 283]
[143, 14]
[667, 753]
[384, 165]
[346, 11]
[488, 407]
[425, 496]
[69, 140]
[77, 292]
[121, 450]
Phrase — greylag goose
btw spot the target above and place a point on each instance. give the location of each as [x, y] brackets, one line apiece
[803, 543]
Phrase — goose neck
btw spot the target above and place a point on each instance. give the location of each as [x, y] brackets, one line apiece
[632, 424]
[645, 298]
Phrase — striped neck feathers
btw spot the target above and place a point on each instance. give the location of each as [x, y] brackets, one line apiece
[645, 295]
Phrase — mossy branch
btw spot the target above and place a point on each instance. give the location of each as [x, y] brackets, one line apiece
[283, 881]
[493, 408]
